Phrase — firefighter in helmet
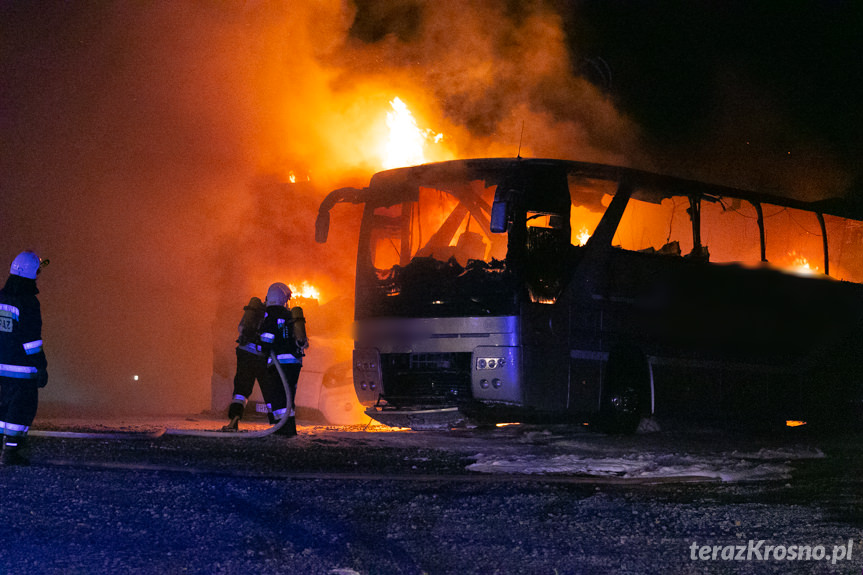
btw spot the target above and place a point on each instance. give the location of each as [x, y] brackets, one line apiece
[283, 341]
[23, 367]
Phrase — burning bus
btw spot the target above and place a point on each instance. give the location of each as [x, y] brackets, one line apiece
[512, 289]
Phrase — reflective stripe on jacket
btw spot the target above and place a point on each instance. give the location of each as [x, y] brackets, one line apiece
[286, 358]
[251, 348]
[18, 371]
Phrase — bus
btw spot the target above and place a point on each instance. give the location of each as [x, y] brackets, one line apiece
[541, 290]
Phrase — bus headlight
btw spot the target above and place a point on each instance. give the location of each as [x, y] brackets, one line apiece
[490, 362]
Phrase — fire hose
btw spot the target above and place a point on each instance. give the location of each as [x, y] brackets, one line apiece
[248, 434]
[187, 432]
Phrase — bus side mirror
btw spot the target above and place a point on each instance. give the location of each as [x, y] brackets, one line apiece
[322, 227]
[498, 217]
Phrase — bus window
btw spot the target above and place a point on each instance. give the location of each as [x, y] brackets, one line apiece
[729, 230]
[441, 224]
[454, 224]
[590, 198]
[546, 258]
[582, 222]
[793, 240]
[386, 243]
[663, 228]
[845, 239]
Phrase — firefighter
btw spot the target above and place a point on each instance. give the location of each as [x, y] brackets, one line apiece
[251, 362]
[23, 367]
[283, 334]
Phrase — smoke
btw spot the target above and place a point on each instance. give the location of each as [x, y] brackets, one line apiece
[147, 150]
[494, 77]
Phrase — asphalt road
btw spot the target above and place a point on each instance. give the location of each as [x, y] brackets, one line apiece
[350, 501]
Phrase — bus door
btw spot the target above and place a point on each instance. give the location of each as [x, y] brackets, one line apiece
[545, 311]
[540, 251]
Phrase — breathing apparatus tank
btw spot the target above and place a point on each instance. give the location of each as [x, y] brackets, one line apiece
[299, 328]
[253, 315]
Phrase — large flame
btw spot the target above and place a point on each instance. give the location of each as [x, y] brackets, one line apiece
[406, 144]
[305, 291]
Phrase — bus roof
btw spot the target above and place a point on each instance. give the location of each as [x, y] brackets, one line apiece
[645, 184]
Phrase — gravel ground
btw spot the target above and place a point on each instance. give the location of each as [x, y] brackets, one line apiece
[348, 500]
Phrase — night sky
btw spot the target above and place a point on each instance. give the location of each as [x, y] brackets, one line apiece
[777, 82]
[145, 146]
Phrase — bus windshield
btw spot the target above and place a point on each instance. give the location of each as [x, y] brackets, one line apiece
[432, 254]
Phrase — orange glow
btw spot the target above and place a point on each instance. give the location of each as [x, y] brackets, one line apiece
[505, 424]
[793, 423]
[376, 427]
[406, 144]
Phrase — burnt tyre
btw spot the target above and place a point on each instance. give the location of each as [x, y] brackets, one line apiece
[625, 392]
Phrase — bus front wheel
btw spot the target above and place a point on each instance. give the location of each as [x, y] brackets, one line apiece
[625, 391]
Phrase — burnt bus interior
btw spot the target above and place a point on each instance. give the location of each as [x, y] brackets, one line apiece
[634, 291]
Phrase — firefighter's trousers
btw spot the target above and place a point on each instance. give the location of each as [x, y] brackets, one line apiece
[250, 367]
[19, 400]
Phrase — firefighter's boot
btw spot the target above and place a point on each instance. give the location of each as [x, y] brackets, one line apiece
[233, 425]
[12, 451]
[288, 428]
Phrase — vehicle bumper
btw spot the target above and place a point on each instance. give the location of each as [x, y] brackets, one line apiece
[419, 419]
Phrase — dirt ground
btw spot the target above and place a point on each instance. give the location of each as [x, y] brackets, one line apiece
[372, 500]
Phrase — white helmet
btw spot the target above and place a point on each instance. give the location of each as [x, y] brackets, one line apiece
[26, 265]
[278, 294]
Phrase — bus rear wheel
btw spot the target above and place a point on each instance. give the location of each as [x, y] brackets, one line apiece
[625, 391]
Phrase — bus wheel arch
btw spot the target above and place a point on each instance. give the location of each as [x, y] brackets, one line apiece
[627, 390]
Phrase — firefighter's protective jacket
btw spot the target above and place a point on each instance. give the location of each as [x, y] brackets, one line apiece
[21, 354]
[277, 335]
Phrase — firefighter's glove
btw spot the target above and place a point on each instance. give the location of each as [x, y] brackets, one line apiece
[42, 377]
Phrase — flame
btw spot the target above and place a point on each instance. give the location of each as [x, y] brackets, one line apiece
[406, 143]
[304, 291]
[800, 265]
[794, 423]
[583, 236]
[294, 177]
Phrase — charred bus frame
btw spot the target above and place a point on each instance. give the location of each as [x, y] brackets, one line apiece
[506, 289]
